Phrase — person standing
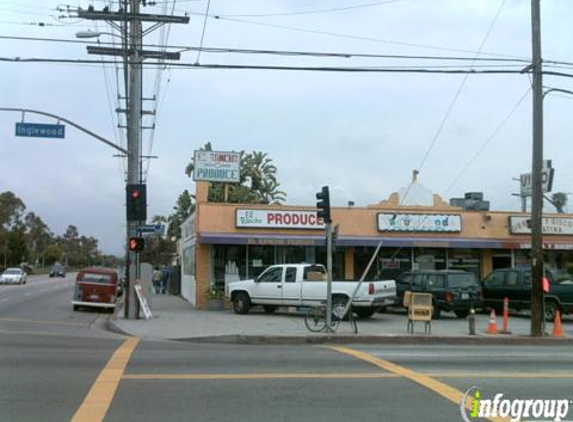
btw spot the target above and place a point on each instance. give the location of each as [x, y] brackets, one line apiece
[164, 278]
[156, 278]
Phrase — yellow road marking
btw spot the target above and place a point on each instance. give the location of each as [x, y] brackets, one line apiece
[34, 321]
[255, 376]
[442, 389]
[355, 375]
[97, 402]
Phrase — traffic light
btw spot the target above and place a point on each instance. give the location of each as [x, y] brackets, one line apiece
[323, 205]
[136, 202]
[136, 244]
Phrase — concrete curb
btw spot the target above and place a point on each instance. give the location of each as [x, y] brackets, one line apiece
[112, 325]
[388, 339]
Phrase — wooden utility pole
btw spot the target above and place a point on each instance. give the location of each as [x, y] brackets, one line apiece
[536, 175]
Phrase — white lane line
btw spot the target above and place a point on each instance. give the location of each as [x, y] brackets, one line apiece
[29, 293]
[5, 299]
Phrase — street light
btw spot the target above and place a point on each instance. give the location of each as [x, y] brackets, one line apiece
[93, 34]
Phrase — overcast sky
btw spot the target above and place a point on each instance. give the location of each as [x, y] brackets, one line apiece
[360, 133]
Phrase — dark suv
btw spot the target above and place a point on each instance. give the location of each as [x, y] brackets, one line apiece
[58, 270]
[515, 284]
[452, 290]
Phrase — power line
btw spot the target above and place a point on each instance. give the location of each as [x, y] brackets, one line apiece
[356, 69]
[487, 141]
[353, 37]
[345, 55]
[317, 11]
[458, 92]
[203, 32]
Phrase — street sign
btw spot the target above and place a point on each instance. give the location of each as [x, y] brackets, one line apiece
[547, 173]
[217, 166]
[151, 229]
[40, 130]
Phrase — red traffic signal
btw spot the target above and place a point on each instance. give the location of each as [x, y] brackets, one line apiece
[136, 244]
[136, 202]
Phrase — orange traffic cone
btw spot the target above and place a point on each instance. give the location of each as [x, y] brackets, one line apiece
[492, 326]
[557, 328]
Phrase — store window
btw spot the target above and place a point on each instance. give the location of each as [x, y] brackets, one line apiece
[189, 260]
[392, 262]
[337, 261]
[229, 264]
[464, 259]
[502, 259]
[429, 259]
[260, 257]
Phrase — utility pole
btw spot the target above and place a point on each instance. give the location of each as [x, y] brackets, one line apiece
[537, 314]
[133, 55]
[134, 149]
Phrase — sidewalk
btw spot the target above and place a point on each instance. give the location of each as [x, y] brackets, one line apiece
[175, 319]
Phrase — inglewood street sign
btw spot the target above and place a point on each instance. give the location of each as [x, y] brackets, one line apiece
[40, 130]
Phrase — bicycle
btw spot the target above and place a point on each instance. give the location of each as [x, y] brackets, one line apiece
[315, 318]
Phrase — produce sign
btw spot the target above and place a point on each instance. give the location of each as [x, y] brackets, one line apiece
[273, 219]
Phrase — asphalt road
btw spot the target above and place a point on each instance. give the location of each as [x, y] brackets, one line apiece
[60, 365]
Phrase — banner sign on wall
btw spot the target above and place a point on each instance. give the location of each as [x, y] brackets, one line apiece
[394, 222]
[549, 225]
[217, 166]
[278, 219]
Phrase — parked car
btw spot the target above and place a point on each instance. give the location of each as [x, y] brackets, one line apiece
[13, 276]
[515, 284]
[305, 285]
[58, 270]
[452, 290]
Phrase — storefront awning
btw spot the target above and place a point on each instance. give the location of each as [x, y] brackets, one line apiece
[387, 241]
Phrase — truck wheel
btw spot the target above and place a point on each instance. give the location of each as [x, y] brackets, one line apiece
[241, 303]
[551, 308]
[364, 313]
[269, 309]
[462, 313]
[76, 307]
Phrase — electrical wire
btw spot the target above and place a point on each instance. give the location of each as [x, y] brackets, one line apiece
[355, 37]
[458, 92]
[203, 31]
[488, 141]
[357, 69]
[295, 53]
[317, 11]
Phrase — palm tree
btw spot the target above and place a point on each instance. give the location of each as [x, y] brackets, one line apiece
[258, 182]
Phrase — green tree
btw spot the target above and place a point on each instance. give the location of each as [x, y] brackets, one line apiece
[11, 210]
[52, 254]
[184, 207]
[559, 201]
[17, 248]
[38, 236]
[257, 182]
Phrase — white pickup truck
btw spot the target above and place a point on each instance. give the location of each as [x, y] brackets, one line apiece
[305, 285]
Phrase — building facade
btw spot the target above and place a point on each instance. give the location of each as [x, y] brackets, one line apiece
[222, 243]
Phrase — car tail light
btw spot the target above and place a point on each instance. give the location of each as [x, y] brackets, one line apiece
[371, 289]
[449, 297]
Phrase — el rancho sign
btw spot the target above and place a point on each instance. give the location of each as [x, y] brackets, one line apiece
[278, 219]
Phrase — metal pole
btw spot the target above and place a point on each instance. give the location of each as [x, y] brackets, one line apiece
[536, 175]
[328, 276]
[133, 148]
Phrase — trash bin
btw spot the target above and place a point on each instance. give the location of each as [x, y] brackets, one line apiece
[174, 284]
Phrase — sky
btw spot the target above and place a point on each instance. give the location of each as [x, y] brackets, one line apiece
[360, 133]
